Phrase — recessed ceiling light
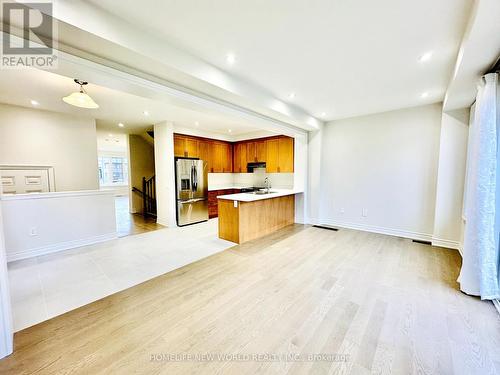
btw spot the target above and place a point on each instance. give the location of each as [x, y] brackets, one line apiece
[291, 95]
[34, 102]
[146, 113]
[425, 57]
[197, 123]
[229, 130]
[110, 135]
[424, 95]
[323, 114]
[121, 125]
[230, 58]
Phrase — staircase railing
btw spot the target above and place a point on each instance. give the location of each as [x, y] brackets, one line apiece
[149, 196]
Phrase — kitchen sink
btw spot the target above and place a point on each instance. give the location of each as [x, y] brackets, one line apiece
[262, 192]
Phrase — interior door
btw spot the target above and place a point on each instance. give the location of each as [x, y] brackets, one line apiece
[23, 181]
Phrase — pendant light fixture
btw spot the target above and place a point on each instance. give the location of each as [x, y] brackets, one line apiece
[81, 99]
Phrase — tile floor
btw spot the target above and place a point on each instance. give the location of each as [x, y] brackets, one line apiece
[50, 285]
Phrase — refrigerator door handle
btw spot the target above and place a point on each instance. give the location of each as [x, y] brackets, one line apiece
[194, 183]
[193, 200]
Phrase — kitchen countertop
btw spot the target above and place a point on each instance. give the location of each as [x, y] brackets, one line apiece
[249, 197]
[226, 187]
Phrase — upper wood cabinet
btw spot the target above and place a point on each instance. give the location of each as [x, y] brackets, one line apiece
[217, 154]
[279, 155]
[261, 151]
[240, 157]
[226, 157]
[204, 152]
[272, 157]
[285, 155]
[185, 146]
[256, 151]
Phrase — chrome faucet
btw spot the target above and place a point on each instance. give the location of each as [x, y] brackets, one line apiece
[267, 184]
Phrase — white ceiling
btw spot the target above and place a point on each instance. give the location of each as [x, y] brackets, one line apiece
[344, 58]
[111, 142]
[19, 87]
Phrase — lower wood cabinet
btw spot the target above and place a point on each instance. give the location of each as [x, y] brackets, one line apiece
[212, 200]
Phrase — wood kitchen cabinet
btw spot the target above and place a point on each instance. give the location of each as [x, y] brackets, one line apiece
[204, 152]
[221, 157]
[279, 155]
[240, 157]
[261, 151]
[256, 151]
[185, 146]
[212, 200]
[272, 158]
[225, 157]
[217, 154]
[285, 155]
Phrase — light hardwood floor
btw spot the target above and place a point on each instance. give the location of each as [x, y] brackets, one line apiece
[128, 224]
[384, 304]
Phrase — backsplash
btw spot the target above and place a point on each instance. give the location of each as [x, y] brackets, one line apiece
[277, 180]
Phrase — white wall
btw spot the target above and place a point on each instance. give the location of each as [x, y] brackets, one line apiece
[6, 327]
[227, 180]
[385, 164]
[68, 143]
[314, 191]
[165, 174]
[37, 224]
[141, 164]
[451, 178]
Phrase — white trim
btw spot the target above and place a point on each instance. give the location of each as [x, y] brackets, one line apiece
[6, 327]
[381, 230]
[49, 249]
[48, 168]
[60, 194]
[449, 244]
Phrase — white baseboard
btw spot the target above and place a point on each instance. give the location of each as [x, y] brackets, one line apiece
[449, 244]
[381, 230]
[49, 249]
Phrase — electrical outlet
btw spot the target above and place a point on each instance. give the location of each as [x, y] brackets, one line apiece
[364, 212]
[342, 210]
[33, 231]
[235, 204]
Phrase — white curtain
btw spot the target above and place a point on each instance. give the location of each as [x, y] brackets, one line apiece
[479, 275]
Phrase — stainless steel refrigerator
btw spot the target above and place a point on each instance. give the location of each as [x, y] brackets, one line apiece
[191, 190]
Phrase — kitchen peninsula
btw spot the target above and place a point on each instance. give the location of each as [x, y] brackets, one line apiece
[247, 216]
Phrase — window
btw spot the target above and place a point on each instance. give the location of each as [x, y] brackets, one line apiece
[113, 170]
